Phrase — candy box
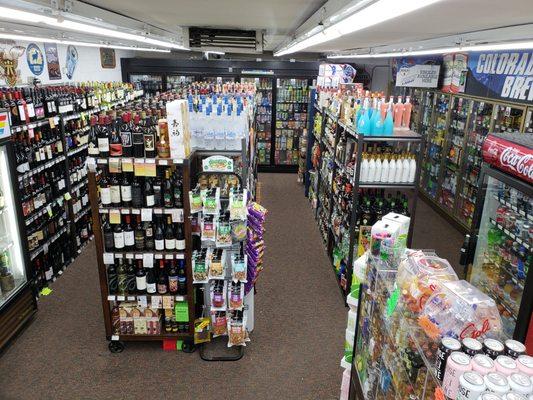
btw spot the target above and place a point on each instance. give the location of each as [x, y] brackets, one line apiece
[385, 242]
[460, 310]
[402, 220]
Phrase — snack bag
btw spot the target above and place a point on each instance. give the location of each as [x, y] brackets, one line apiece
[216, 265]
[200, 267]
[219, 325]
[202, 330]
[195, 200]
[237, 330]
[218, 290]
[236, 295]
[237, 204]
[223, 233]
[239, 267]
[208, 228]
[211, 201]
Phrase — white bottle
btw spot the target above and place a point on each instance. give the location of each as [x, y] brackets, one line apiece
[384, 170]
[405, 172]
[364, 169]
[412, 169]
[377, 176]
[392, 170]
[399, 170]
[371, 170]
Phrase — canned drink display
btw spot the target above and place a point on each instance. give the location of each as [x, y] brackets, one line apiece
[513, 348]
[471, 346]
[525, 364]
[496, 383]
[493, 348]
[457, 363]
[446, 347]
[483, 364]
[471, 385]
[506, 365]
[520, 383]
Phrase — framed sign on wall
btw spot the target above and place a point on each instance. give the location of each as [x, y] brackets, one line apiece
[107, 58]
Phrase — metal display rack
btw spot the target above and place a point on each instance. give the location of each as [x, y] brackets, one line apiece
[335, 167]
[454, 140]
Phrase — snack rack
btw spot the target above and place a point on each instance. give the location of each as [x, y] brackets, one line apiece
[116, 340]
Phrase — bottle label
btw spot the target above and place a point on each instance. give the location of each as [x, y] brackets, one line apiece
[161, 288]
[49, 273]
[150, 288]
[149, 144]
[126, 138]
[105, 195]
[31, 110]
[149, 231]
[115, 149]
[129, 238]
[141, 282]
[170, 244]
[115, 194]
[180, 244]
[103, 145]
[119, 240]
[173, 284]
[160, 244]
[125, 191]
[108, 241]
[150, 200]
[22, 113]
[93, 149]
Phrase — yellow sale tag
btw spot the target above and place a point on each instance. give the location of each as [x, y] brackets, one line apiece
[52, 122]
[114, 165]
[150, 170]
[127, 165]
[114, 216]
[139, 169]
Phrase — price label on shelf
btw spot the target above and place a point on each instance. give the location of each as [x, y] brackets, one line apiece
[177, 214]
[148, 260]
[180, 256]
[168, 302]
[111, 298]
[114, 165]
[146, 214]
[142, 301]
[139, 167]
[150, 170]
[159, 256]
[67, 196]
[135, 211]
[129, 256]
[156, 302]
[109, 258]
[124, 210]
[52, 122]
[138, 256]
[115, 337]
[114, 216]
[127, 165]
[121, 298]
[149, 161]
[158, 211]
[169, 256]
[131, 298]
[163, 162]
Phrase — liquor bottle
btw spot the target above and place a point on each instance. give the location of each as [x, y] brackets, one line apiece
[126, 136]
[148, 235]
[103, 137]
[131, 277]
[139, 234]
[151, 286]
[162, 287]
[170, 242]
[115, 318]
[159, 237]
[122, 278]
[157, 186]
[118, 237]
[125, 190]
[114, 189]
[129, 237]
[112, 279]
[115, 142]
[177, 189]
[21, 106]
[140, 278]
[109, 241]
[182, 278]
[149, 139]
[163, 148]
[173, 278]
[168, 195]
[180, 237]
[148, 193]
[136, 193]
[138, 139]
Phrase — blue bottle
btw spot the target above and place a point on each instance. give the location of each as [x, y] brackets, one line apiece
[388, 124]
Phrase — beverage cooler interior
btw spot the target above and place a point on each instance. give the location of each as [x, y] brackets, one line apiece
[12, 265]
[503, 253]
[149, 83]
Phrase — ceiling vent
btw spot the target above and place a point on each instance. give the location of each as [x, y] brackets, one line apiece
[226, 40]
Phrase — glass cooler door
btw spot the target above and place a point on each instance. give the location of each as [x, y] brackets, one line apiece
[12, 268]
[503, 251]
[292, 99]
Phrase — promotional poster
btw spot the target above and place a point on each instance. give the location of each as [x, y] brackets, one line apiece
[52, 60]
[35, 59]
[416, 71]
[504, 75]
[72, 61]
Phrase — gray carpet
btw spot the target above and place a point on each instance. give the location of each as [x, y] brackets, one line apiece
[295, 349]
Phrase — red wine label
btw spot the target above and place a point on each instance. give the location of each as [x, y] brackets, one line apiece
[115, 149]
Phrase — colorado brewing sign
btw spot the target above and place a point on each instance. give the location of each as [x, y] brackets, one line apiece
[501, 75]
[418, 75]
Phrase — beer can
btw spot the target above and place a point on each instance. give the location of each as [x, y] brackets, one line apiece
[493, 348]
[489, 396]
[496, 383]
[513, 396]
[446, 347]
[506, 365]
[520, 383]
[471, 346]
[513, 348]
[483, 364]
[457, 363]
[525, 364]
[471, 385]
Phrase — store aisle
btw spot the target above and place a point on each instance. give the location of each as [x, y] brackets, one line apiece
[294, 354]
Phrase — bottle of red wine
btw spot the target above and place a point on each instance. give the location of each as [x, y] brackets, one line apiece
[126, 136]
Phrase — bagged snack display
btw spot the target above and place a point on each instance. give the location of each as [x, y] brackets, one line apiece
[219, 326]
[237, 204]
[223, 232]
[235, 295]
[208, 228]
[218, 290]
[238, 230]
[216, 265]
[200, 266]
[460, 310]
[237, 329]
[239, 266]
[254, 244]
[195, 200]
[211, 201]
[420, 274]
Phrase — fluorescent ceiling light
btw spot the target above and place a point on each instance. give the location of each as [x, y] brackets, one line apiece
[443, 50]
[313, 40]
[9, 13]
[76, 43]
[376, 13]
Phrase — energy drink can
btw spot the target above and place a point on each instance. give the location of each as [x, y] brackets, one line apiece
[457, 363]
[471, 385]
[493, 348]
[446, 347]
[471, 346]
[514, 348]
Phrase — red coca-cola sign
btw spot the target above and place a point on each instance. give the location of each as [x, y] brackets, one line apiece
[510, 157]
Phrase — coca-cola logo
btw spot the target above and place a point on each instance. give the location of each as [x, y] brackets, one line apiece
[470, 330]
[519, 162]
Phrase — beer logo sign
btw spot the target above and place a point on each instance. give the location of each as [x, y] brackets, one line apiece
[35, 59]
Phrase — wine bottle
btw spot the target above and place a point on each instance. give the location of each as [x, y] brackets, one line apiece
[140, 278]
[159, 237]
[125, 190]
[126, 136]
[170, 242]
[180, 237]
[129, 237]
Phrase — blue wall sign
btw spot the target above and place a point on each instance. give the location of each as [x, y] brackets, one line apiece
[35, 59]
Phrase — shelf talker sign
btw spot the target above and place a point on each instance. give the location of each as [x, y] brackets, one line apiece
[418, 75]
[217, 164]
[178, 128]
[4, 124]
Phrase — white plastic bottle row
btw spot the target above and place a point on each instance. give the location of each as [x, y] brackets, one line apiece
[396, 170]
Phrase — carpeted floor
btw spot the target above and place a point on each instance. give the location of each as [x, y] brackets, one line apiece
[295, 349]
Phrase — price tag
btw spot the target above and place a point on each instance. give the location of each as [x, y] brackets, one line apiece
[131, 298]
[135, 211]
[148, 260]
[168, 302]
[139, 167]
[177, 214]
[162, 162]
[180, 256]
[114, 216]
[121, 298]
[129, 256]
[125, 211]
[150, 169]
[118, 255]
[102, 161]
[138, 256]
[111, 298]
[142, 301]
[114, 165]
[67, 196]
[52, 122]
[158, 256]
[158, 211]
[115, 337]
[169, 257]
[109, 258]
[127, 165]
[149, 161]
[180, 298]
[146, 214]
[156, 302]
